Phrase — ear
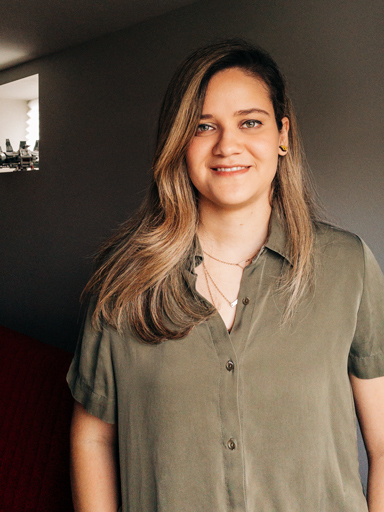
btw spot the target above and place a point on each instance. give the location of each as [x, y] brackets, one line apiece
[283, 137]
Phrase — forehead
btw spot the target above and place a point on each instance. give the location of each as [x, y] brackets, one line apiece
[237, 88]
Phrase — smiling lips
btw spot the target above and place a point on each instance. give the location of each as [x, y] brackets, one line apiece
[235, 169]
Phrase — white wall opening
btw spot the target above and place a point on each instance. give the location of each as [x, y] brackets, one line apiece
[19, 123]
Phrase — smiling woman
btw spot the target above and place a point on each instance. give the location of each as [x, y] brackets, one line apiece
[232, 162]
[227, 325]
[233, 143]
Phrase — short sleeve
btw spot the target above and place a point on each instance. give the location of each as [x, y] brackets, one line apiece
[366, 356]
[91, 376]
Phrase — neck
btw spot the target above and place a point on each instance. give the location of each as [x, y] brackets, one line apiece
[233, 235]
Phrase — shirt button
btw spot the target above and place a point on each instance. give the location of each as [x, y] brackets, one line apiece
[246, 301]
[230, 365]
[231, 444]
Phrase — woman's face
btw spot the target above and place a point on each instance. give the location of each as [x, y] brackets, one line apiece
[232, 159]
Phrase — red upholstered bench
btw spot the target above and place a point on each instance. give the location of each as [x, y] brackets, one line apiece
[35, 415]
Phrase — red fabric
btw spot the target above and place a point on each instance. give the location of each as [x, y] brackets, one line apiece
[35, 415]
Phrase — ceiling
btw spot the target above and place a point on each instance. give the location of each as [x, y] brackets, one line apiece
[33, 28]
[24, 89]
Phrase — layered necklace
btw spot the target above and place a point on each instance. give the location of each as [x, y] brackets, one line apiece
[208, 277]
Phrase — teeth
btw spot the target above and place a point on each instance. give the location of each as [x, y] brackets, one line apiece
[229, 169]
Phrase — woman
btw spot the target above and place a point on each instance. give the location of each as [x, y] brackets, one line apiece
[227, 323]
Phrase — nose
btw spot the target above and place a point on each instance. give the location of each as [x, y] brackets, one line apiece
[228, 143]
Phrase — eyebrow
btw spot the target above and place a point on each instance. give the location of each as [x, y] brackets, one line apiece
[241, 113]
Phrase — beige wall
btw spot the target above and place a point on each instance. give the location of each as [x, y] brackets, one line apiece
[13, 122]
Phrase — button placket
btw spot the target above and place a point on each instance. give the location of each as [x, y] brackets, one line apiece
[230, 432]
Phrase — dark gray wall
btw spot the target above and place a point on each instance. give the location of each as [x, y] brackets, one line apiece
[99, 103]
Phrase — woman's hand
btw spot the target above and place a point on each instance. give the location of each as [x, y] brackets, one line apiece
[369, 401]
[93, 463]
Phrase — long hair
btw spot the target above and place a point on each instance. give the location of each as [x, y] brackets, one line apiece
[139, 279]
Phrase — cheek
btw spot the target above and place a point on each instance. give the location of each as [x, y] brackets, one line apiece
[268, 145]
[192, 154]
[266, 150]
[191, 166]
[195, 159]
[195, 177]
[199, 150]
[189, 162]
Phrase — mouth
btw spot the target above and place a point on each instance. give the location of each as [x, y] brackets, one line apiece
[235, 169]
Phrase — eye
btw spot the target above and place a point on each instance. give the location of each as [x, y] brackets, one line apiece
[203, 128]
[251, 123]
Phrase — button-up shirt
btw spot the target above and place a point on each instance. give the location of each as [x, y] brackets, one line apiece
[258, 420]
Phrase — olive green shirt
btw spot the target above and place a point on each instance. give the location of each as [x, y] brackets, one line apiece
[258, 420]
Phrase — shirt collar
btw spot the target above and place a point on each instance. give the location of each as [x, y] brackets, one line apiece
[199, 256]
[277, 240]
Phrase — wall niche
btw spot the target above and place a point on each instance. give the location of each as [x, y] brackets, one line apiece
[19, 125]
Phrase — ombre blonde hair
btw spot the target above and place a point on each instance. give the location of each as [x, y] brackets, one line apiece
[139, 279]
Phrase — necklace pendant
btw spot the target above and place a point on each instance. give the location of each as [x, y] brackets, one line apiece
[233, 304]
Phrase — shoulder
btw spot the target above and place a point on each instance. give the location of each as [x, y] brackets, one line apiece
[339, 245]
[326, 232]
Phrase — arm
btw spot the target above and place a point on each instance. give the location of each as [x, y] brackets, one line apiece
[93, 463]
[369, 401]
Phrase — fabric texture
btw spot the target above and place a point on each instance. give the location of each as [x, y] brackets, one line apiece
[258, 420]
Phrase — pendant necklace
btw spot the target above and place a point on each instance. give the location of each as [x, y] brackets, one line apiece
[209, 277]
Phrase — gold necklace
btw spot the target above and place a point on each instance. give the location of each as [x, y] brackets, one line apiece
[227, 263]
[209, 288]
[207, 274]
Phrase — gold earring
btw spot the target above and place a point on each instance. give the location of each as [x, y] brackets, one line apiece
[283, 148]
